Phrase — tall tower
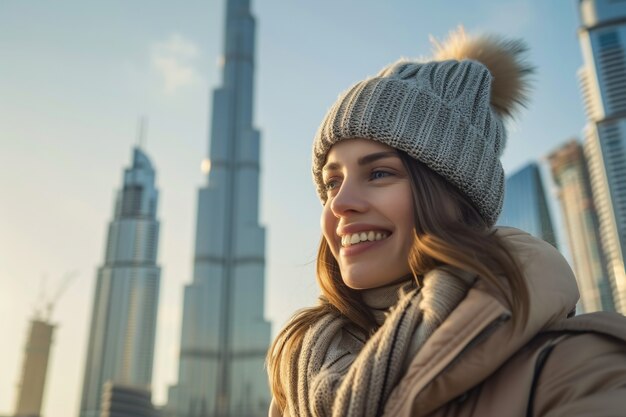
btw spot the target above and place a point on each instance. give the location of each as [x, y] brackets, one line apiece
[224, 335]
[525, 205]
[123, 319]
[569, 171]
[34, 369]
[603, 81]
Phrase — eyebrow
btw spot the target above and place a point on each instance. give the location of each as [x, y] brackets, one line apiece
[364, 160]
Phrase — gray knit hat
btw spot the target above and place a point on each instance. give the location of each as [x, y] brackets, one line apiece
[447, 113]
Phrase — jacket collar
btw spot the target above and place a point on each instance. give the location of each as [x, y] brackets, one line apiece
[478, 337]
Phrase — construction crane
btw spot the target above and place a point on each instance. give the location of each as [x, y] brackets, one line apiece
[46, 306]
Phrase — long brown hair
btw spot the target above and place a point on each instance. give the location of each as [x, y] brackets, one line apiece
[448, 231]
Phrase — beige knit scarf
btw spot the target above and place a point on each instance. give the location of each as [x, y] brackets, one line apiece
[338, 373]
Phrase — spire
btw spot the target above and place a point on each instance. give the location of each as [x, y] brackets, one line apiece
[142, 130]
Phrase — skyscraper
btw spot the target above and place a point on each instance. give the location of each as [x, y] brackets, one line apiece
[34, 369]
[569, 171]
[119, 400]
[525, 205]
[603, 81]
[224, 335]
[123, 319]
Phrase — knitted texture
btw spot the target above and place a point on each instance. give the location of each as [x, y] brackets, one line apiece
[330, 377]
[438, 112]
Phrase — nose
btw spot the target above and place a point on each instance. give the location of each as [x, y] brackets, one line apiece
[349, 199]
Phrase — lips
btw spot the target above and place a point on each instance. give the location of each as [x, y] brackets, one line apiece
[351, 251]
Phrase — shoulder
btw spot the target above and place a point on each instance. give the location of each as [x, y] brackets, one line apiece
[575, 367]
[602, 323]
[312, 336]
[327, 334]
[583, 370]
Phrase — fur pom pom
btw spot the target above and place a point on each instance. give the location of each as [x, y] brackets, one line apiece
[504, 58]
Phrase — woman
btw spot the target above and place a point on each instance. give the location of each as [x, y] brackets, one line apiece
[426, 308]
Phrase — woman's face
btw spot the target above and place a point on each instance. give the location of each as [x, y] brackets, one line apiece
[368, 217]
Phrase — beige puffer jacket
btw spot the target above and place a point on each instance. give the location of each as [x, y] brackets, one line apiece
[479, 364]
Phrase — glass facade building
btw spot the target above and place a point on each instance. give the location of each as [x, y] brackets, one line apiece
[569, 171]
[602, 36]
[224, 335]
[123, 319]
[525, 205]
[126, 401]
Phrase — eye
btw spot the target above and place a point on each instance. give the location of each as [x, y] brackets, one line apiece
[331, 184]
[378, 174]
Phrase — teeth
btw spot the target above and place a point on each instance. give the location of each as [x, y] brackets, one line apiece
[353, 239]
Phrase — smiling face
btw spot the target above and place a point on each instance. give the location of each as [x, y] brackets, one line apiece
[368, 216]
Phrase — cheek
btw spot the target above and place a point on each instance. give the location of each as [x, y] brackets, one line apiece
[406, 219]
[409, 217]
[328, 224]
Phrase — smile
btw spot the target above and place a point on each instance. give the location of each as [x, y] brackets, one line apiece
[356, 238]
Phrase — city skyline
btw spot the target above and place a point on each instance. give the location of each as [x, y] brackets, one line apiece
[603, 84]
[78, 77]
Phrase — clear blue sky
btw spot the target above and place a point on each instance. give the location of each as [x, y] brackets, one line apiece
[76, 76]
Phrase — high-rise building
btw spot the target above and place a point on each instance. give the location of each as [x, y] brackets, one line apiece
[570, 174]
[34, 369]
[224, 335]
[603, 81]
[123, 319]
[119, 400]
[525, 205]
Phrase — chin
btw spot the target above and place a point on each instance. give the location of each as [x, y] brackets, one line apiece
[358, 281]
